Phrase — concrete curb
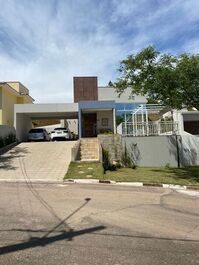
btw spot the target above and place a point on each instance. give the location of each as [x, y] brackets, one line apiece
[98, 181]
[132, 184]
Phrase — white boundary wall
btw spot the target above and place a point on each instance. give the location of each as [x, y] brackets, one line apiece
[164, 150]
[189, 149]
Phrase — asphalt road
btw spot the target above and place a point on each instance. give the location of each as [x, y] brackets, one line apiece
[97, 224]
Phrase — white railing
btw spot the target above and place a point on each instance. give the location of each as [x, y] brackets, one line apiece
[149, 128]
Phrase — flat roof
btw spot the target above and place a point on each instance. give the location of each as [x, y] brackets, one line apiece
[195, 112]
[51, 110]
[46, 107]
[105, 104]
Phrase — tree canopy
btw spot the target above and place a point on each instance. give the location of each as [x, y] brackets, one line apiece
[170, 80]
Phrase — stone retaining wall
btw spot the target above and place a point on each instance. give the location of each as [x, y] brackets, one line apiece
[113, 144]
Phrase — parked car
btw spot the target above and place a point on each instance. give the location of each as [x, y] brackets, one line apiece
[38, 134]
[61, 134]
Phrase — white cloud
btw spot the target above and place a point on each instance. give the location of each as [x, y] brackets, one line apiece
[45, 43]
[192, 46]
[157, 21]
[57, 46]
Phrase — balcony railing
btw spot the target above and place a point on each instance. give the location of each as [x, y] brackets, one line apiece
[149, 128]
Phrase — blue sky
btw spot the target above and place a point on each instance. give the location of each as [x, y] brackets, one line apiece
[44, 43]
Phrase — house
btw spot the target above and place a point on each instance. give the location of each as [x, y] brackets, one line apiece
[98, 111]
[12, 93]
[94, 109]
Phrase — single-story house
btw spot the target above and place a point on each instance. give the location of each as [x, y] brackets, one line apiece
[95, 108]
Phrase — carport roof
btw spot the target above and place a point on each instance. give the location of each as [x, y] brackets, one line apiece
[190, 115]
[52, 110]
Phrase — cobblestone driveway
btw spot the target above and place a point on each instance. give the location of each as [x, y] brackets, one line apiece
[38, 160]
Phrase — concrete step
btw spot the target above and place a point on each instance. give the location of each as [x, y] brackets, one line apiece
[89, 154]
[89, 149]
[89, 157]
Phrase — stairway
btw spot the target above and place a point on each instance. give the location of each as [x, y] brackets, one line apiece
[89, 149]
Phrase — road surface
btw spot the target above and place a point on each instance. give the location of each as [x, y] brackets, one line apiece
[97, 224]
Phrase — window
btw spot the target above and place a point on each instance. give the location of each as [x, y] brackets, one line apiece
[36, 131]
[105, 122]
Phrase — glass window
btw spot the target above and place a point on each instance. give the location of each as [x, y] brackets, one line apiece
[119, 106]
[36, 131]
[128, 106]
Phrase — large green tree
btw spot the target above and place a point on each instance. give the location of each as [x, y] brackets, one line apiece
[163, 78]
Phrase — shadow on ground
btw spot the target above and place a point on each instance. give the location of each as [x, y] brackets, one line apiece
[6, 160]
[66, 234]
[43, 241]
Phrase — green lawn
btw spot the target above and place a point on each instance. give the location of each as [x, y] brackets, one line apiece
[82, 170]
[185, 176]
[94, 170]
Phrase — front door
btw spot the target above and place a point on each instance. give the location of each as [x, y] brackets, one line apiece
[89, 125]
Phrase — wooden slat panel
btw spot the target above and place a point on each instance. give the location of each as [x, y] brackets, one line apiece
[85, 88]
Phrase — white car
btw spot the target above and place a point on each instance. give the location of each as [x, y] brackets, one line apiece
[38, 134]
[60, 134]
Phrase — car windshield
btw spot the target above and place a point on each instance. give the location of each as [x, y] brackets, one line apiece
[60, 129]
[36, 131]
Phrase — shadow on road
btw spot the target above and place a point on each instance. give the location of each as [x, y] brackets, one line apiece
[46, 240]
[6, 159]
[43, 241]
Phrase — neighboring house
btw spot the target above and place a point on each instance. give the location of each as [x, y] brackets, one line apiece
[189, 121]
[12, 93]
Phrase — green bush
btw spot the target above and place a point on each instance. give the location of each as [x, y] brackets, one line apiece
[107, 165]
[1, 142]
[127, 159]
[9, 139]
[105, 160]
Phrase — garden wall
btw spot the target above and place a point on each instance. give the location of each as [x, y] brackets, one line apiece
[113, 144]
[182, 150]
[189, 150]
[158, 151]
[152, 150]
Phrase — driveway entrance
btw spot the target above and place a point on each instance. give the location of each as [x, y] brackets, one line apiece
[36, 161]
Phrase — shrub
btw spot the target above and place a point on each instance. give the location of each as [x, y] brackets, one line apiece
[127, 159]
[107, 165]
[1, 142]
[11, 138]
[106, 160]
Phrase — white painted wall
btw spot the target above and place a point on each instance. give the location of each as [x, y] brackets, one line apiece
[23, 124]
[177, 117]
[105, 114]
[109, 93]
[72, 125]
[189, 149]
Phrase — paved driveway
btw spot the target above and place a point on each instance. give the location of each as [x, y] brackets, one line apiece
[50, 224]
[38, 160]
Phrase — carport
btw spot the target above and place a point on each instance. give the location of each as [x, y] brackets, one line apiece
[191, 122]
[24, 114]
